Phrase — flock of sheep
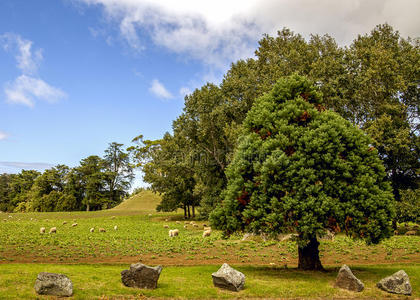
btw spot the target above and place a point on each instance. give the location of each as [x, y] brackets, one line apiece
[175, 232]
[54, 229]
[172, 232]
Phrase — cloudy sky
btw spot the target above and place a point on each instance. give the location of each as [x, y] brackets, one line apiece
[76, 75]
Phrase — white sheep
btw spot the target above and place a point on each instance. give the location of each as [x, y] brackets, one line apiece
[115, 227]
[53, 230]
[150, 215]
[64, 222]
[173, 232]
[74, 225]
[206, 233]
[192, 223]
[195, 225]
[186, 222]
[42, 230]
[185, 226]
[165, 226]
[92, 229]
[166, 220]
[206, 228]
[102, 230]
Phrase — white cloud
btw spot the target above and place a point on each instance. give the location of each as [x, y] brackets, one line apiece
[3, 135]
[25, 89]
[159, 90]
[15, 167]
[27, 60]
[218, 32]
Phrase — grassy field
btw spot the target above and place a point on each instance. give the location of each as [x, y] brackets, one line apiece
[188, 258]
[96, 281]
[144, 201]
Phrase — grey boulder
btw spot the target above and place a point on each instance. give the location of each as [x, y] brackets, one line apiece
[141, 276]
[53, 284]
[346, 280]
[397, 283]
[228, 278]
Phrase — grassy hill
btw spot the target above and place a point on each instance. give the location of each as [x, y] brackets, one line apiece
[143, 201]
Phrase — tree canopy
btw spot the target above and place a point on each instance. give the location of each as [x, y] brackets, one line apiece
[299, 167]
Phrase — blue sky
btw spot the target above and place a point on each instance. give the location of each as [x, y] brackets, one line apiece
[76, 75]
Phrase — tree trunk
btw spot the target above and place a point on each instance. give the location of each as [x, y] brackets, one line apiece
[193, 211]
[394, 224]
[87, 207]
[185, 212]
[309, 256]
[189, 213]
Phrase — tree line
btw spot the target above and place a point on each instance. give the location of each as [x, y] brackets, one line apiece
[374, 83]
[97, 183]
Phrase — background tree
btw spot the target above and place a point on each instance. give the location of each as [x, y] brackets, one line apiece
[166, 167]
[303, 168]
[92, 176]
[47, 189]
[5, 192]
[118, 173]
[382, 88]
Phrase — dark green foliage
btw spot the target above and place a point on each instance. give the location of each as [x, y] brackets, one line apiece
[408, 209]
[166, 168]
[299, 167]
[373, 83]
[96, 184]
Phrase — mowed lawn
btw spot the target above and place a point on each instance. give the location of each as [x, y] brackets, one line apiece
[93, 281]
[94, 260]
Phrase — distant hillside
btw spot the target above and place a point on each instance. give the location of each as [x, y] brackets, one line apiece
[143, 201]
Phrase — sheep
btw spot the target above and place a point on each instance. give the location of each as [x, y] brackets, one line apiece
[173, 232]
[53, 230]
[92, 229]
[185, 226]
[165, 226]
[166, 220]
[42, 230]
[192, 223]
[102, 230]
[206, 233]
[195, 225]
[150, 215]
[206, 228]
[186, 222]
[64, 222]
[178, 222]
[74, 225]
[113, 217]
[115, 227]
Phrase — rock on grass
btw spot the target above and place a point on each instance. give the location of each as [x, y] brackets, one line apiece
[53, 284]
[346, 280]
[141, 276]
[228, 278]
[397, 283]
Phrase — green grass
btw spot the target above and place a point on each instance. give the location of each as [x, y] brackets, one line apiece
[94, 260]
[141, 236]
[98, 280]
[143, 201]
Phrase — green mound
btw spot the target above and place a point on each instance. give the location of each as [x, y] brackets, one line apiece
[143, 201]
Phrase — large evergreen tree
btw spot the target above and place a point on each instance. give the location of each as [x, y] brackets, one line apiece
[299, 167]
